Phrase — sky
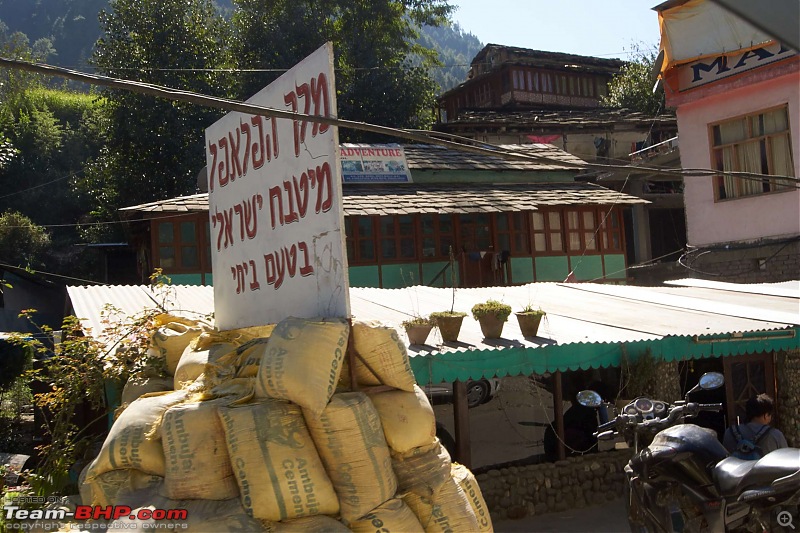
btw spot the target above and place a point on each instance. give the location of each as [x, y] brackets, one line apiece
[596, 28]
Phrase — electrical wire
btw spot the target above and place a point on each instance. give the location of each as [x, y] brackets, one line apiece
[243, 107]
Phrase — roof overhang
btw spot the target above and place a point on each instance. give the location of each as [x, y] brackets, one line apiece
[587, 325]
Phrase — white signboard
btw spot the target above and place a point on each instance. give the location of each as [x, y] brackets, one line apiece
[374, 163]
[707, 70]
[275, 205]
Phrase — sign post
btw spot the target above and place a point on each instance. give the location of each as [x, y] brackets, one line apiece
[275, 205]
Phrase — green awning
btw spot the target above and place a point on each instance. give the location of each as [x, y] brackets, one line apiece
[510, 361]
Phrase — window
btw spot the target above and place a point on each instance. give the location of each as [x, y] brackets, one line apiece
[611, 230]
[397, 237]
[437, 236]
[512, 232]
[581, 230]
[360, 232]
[547, 232]
[475, 233]
[758, 143]
[179, 247]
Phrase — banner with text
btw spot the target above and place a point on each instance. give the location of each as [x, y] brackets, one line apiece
[374, 163]
[275, 205]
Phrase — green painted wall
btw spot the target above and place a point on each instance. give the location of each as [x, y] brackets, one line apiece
[186, 279]
[430, 270]
[399, 276]
[364, 276]
[522, 269]
[551, 268]
[587, 267]
[615, 266]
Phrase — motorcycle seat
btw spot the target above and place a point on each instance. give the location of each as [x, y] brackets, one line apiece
[732, 476]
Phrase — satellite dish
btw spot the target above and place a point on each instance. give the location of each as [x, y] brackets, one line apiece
[202, 180]
[657, 64]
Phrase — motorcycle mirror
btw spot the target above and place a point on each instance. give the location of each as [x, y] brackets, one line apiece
[589, 398]
[711, 380]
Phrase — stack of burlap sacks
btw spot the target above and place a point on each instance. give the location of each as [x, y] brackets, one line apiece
[259, 429]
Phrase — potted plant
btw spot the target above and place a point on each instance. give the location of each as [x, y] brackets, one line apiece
[449, 323]
[491, 315]
[529, 320]
[418, 329]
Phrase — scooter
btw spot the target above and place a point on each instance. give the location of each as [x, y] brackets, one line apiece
[681, 478]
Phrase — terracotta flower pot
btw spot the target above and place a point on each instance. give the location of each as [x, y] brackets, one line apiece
[449, 327]
[529, 323]
[491, 326]
[418, 334]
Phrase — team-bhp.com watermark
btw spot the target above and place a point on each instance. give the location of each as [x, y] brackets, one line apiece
[86, 517]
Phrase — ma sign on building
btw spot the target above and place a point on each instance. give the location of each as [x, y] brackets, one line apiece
[275, 205]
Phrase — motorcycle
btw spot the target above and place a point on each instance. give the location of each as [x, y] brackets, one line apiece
[681, 477]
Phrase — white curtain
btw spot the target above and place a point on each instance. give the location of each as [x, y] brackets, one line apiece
[749, 160]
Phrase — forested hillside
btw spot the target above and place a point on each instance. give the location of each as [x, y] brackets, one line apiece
[72, 27]
[456, 49]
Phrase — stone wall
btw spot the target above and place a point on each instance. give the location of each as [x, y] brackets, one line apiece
[762, 264]
[787, 370]
[515, 492]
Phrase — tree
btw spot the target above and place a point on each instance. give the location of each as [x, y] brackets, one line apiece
[381, 71]
[155, 147]
[22, 242]
[45, 136]
[632, 87]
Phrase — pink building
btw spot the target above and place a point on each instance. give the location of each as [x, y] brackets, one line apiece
[737, 94]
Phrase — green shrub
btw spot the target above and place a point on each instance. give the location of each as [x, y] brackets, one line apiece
[491, 307]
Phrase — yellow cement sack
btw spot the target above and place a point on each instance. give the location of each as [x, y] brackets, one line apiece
[407, 418]
[422, 470]
[446, 511]
[249, 357]
[140, 384]
[381, 358]
[193, 516]
[279, 473]
[130, 444]
[310, 524]
[197, 463]
[194, 361]
[302, 361]
[243, 335]
[466, 480]
[350, 441]
[166, 318]
[171, 339]
[208, 516]
[394, 516]
[111, 487]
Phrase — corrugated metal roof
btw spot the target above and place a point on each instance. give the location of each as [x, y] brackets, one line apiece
[584, 326]
[401, 199]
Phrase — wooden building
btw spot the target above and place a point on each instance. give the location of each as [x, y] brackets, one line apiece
[506, 222]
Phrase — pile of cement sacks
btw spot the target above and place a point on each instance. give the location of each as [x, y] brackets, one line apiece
[260, 429]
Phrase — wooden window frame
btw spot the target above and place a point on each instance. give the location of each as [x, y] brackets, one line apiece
[548, 231]
[607, 230]
[437, 235]
[397, 238]
[774, 184]
[512, 232]
[353, 237]
[201, 242]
